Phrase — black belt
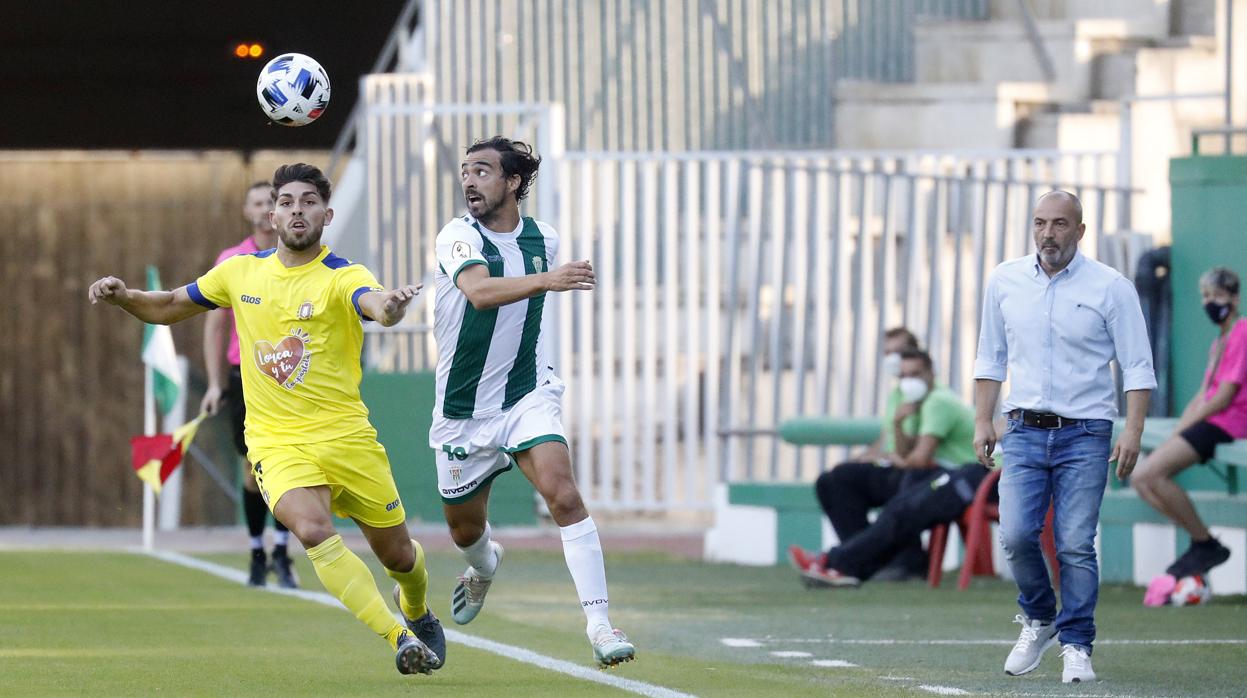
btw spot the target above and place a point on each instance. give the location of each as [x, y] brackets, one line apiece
[1042, 420]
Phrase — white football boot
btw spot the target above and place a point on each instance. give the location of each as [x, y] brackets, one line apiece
[469, 594]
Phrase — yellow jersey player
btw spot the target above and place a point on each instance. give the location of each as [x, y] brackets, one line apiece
[299, 310]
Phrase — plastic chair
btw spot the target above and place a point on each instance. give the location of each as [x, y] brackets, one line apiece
[975, 524]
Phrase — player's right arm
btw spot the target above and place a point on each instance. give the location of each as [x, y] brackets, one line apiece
[484, 291]
[153, 307]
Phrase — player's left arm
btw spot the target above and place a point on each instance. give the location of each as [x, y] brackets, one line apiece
[154, 307]
[387, 307]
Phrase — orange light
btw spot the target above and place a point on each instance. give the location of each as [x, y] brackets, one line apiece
[256, 50]
[241, 50]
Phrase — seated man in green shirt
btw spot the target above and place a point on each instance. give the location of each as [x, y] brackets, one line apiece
[933, 475]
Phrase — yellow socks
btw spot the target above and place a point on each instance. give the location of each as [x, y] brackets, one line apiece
[347, 577]
[415, 584]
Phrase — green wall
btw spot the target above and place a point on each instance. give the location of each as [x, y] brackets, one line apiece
[1209, 203]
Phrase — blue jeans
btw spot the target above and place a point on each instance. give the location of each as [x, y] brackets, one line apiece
[1069, 466]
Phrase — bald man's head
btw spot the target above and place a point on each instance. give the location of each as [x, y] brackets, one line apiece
[1065, 198]
[1058, 228]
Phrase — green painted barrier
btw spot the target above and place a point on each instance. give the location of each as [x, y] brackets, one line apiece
[827, 431]
[1209, 203]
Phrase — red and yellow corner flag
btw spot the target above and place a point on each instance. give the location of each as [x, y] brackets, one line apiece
[156, 457]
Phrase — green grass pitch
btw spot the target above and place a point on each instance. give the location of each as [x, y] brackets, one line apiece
[125, 624]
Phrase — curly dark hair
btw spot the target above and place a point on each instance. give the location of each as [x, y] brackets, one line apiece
[301, 172]
[517, 159]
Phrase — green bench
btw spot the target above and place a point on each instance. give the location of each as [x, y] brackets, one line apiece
[797, 515]
[1214, 489]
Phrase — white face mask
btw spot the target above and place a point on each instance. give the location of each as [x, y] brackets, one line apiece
[913, 389]
[892, 364]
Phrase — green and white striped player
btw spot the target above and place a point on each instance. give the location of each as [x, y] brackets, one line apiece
[498, 400]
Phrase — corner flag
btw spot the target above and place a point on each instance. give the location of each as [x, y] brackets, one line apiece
[154, 458]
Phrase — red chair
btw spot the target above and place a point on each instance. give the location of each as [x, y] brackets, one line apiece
[976, 526]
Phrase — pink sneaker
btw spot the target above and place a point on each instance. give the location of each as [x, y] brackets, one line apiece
[1158, 591]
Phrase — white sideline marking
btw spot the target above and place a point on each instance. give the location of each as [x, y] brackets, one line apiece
[1013, 694]
[790, 653]
[519, 654]
[1007, 643]
[833, 663]
[943, 690]
[739, 642]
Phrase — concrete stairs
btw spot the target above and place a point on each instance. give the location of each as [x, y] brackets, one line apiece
[979, 84]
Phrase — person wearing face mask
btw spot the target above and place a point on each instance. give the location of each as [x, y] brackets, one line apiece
[851, 489]
[1217, 414]
[940, 470]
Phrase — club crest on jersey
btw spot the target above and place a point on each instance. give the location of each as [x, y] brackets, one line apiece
[538, 263]
[306, 310]
[456, 472]
[286, 362]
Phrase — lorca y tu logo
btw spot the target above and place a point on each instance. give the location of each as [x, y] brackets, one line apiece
[288, 361]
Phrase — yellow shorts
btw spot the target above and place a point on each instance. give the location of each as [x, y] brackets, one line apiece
[355, 468]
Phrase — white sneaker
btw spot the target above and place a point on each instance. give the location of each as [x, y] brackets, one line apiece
[1035, 639]
[611, 646]
[1077, 665]
[469, 594]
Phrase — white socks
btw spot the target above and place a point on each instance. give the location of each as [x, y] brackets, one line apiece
[583, 551]
[481, 556]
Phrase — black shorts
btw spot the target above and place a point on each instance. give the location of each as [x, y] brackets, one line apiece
[237, 409]
[1204, 437]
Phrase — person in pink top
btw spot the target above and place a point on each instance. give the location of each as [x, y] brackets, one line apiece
[226, 387]
[1217, 414]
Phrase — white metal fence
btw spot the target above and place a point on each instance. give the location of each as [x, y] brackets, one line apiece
[412, 150]
[739, 289]
[736, 289]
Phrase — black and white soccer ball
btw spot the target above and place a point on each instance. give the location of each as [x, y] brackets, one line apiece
[293, 89]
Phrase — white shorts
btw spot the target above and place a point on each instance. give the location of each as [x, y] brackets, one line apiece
[472, 452]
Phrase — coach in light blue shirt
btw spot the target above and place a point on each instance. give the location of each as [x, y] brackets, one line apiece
[1052, 323]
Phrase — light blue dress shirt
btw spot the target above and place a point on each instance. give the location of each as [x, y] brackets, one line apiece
[1056, 337]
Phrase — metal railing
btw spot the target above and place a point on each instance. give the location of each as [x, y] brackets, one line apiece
[412, 152]
[401, 31]
[1038, 46]
[738, 289]
[1227, 133]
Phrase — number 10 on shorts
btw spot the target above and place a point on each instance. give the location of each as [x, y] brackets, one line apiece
[455, 452]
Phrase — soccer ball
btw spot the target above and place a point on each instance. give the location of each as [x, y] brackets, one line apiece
[293, 89]
[1191, 591]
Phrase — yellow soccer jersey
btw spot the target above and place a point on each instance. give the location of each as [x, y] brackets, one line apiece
[300, 331]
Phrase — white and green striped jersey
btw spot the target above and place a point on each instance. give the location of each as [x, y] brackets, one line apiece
[488, 359]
